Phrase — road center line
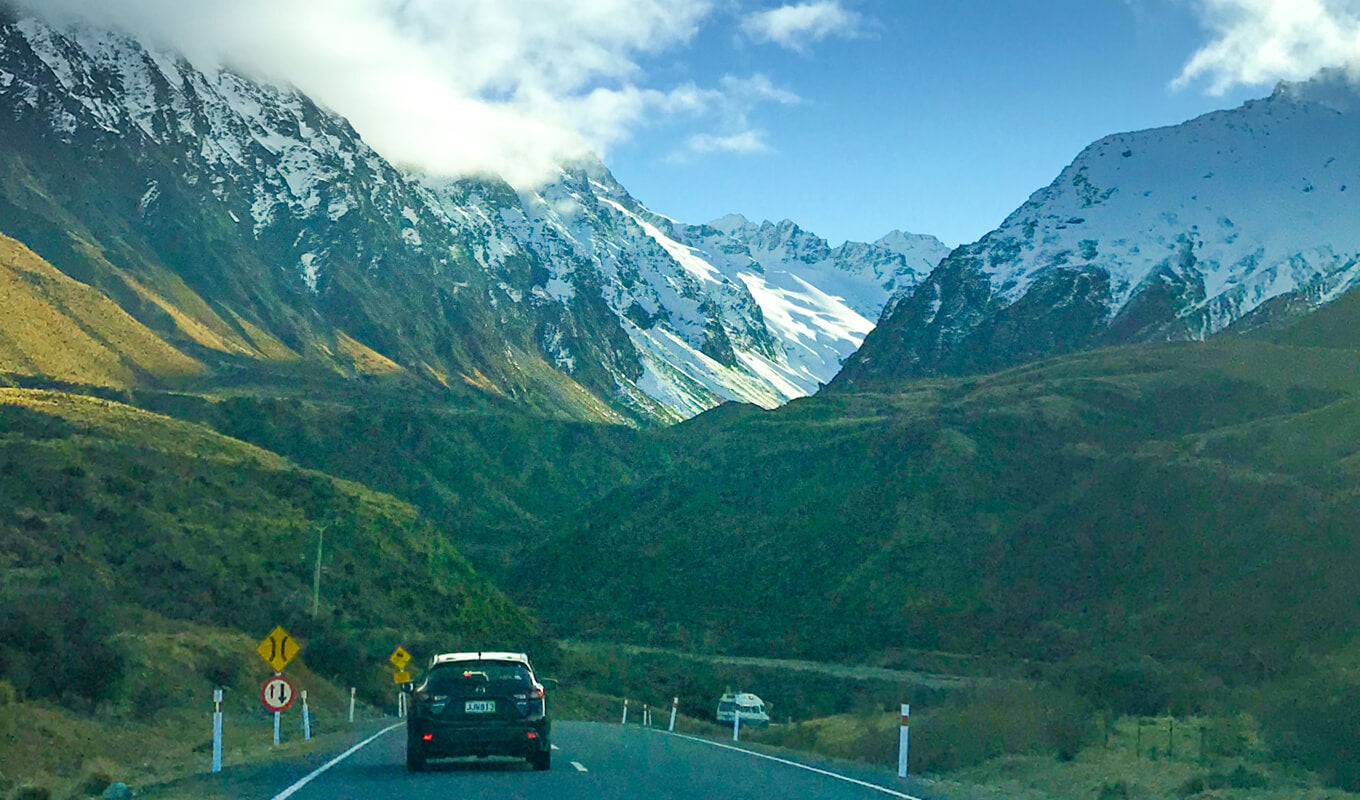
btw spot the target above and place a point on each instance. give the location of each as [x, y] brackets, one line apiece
[579, 766]
[865, 784]
[291, 790]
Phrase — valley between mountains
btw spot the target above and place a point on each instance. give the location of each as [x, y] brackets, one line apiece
[1101, 463]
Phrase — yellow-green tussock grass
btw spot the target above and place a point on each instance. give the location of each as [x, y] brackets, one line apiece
[60, 328]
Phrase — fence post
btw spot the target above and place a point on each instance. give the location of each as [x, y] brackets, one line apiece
[675, 704]
[217, 731]
[903, 741]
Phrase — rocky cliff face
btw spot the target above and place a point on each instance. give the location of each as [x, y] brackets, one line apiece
[1175, 233]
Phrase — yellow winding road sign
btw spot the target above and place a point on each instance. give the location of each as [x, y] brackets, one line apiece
[400, 658]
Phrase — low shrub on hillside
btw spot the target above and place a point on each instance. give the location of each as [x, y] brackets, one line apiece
[55, 638]
[1314, 720]
[1003, 719]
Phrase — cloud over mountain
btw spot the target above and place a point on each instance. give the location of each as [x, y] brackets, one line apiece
[1263, 41]
[453, 86]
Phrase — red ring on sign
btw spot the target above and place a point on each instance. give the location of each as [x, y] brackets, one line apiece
[270, 704]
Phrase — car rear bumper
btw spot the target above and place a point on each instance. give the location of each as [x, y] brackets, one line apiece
[499, 738]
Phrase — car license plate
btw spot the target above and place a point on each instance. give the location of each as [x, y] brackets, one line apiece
[479, 707]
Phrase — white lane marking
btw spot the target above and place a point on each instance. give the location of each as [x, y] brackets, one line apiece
[579, 766]
[291, 790]
[555, 747]
[855, 781]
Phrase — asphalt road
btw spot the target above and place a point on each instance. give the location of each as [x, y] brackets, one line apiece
[593, 761]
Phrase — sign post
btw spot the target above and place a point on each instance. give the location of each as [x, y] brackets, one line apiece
[903, 740]
[277, 649]
[306, 718]
[276, 694]
[675, 704]
[399, 659]
[217, 731]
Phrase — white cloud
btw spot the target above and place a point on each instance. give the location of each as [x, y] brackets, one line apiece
[454, 86]
[797, 26]
[1263, 41]
[745, 142]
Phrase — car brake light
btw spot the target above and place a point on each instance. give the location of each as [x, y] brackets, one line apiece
[532, 735]
[429, 737]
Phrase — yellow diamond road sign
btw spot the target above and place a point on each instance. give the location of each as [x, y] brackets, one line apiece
[277, 649]
[400, 658]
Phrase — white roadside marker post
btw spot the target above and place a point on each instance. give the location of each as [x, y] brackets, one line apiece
[675, 704]
[903, 738]
[646, 716]
[624, 721]
[306, 718]
[736, 721]
[351, 705]
[217, 731]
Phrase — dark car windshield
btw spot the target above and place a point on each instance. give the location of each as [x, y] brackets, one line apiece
[466, 675]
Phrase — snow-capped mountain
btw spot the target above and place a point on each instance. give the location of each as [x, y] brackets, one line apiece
[240, 217]
[725, 311]
[1174, 233]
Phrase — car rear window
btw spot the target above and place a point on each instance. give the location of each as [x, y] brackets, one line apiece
[449, 678]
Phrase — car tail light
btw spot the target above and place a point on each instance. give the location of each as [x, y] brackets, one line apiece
[536, 692]
[532, 734]
[429, 737]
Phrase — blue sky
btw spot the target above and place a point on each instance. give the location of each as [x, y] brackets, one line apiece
[937, 117]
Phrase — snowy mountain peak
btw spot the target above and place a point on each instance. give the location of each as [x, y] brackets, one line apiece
[1172, 233]
[1337, 89]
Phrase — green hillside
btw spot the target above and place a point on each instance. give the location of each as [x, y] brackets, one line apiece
[111, 511]
[1190, 504]
[494, 478]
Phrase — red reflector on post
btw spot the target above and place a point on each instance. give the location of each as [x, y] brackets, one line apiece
[532, 735]
[429, 737]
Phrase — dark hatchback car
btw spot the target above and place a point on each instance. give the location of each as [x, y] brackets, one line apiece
[478, 704]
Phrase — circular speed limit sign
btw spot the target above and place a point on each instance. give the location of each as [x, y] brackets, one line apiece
[277, 693]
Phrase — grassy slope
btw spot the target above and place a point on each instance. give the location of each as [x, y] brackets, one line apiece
[195, 525]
